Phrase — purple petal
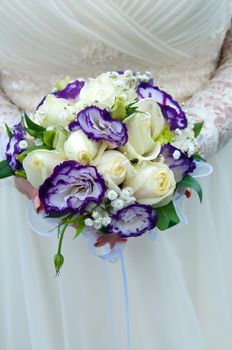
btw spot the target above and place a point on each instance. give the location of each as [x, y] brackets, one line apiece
[41, 102]
[181, 166]
[13, 149]
[98, 125]
[133, 220]
[71, 187]
[74, 126]
[71, 91]
[171, 109]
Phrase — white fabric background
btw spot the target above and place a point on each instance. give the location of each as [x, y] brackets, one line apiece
[180, 285]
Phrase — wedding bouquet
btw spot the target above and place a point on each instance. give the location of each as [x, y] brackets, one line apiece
[112, 157]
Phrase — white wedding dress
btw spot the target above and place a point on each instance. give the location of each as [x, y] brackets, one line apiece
[180, 285]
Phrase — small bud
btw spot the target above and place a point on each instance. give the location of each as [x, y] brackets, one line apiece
[58, 262]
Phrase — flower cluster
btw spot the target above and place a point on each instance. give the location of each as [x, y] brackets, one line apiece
[107, 155]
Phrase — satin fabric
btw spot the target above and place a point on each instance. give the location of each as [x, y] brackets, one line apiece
[180, 285]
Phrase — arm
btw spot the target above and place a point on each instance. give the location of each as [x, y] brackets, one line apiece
[213, 104]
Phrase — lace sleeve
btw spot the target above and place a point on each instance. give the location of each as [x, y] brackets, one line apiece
[213, 104]
[10, 114]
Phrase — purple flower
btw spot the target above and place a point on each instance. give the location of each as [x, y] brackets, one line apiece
[133, 221]
[13, 148]
[71, 91]
[171, 109]
[74, 126]
[98, 125]
[181, 166]
[71, 187]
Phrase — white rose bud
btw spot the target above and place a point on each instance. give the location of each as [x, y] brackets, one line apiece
[116, 165]
[98, 90]
[143, 127]
[154, 184]
[152, 109]
[39, 164]
[78, 147]
[54, 112]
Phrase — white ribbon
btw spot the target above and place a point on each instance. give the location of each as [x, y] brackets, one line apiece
[38, 223]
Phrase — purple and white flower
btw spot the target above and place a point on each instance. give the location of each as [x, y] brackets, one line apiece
[98, 125]
[181, 165]
[133, 221]
[15, 146]
[71, 187]
[71, 91]
[171, 109]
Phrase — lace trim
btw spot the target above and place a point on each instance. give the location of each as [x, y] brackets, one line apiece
[213, 104]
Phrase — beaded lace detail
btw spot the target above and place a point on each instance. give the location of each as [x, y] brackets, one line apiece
[213, 104]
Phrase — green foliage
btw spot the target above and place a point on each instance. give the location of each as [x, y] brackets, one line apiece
[167, 217]
[23, 155]
[131, 109]
[32, 128]
[80, 227]
[59, 139]
[165, 136]
[198, 158]
[118, 110]
[5, 169]
[21, 174]
[197, 128]
[48, 138]
[189, 181]
[61, 84]
[9, 132]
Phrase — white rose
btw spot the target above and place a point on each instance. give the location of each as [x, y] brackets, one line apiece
[98, 91]
[78, 147]
[39, 164]
[143, 127]
[152, 109]
[115, 165]
[54, 112]
[154, 184]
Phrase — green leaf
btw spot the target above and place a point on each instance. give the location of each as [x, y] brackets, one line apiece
[23, 155]
[21, 174]
[167, 217]
[5, 169]
[198, 158]
[197, 128]
[130, 109]
[189, 181]
[32, 128]
[9, 132]
[61, 136]
[118, 111]
[54, 216]
[48, 137]
[81, 226]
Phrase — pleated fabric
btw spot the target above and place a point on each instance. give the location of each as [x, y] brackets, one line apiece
[180, 285]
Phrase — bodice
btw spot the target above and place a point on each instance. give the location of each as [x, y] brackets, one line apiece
[177, 41]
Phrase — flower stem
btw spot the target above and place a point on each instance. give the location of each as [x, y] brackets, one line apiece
[61, 238]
